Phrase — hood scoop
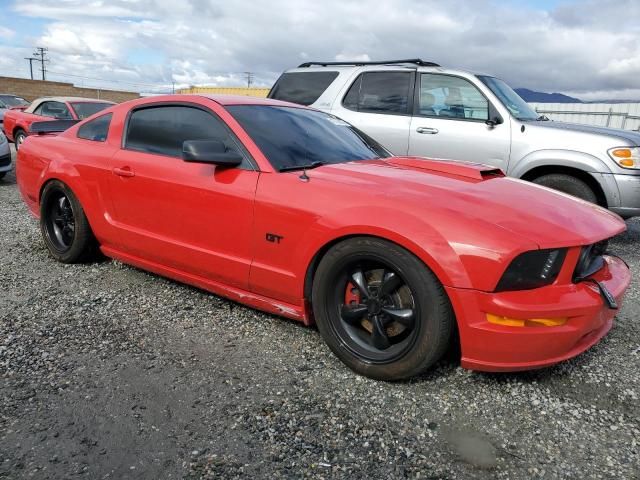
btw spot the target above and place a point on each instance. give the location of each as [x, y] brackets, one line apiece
[476, 171]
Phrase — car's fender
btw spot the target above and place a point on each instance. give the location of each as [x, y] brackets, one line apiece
[424, 241]
[591, 165]
[562, 158]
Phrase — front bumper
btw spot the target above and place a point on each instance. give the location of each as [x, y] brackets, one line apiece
[494, 348]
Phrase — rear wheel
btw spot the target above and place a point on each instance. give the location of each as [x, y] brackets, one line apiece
[380, 309]
[568, 184]
[18, 138]
[64, 225]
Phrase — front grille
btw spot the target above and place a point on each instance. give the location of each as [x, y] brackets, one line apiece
[590, 260]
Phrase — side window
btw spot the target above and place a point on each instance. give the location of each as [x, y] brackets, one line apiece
[56, 110]
[164, 129]
[38, 110]
[380, 92]
[451, 97]
[302, 87]
[97, 129]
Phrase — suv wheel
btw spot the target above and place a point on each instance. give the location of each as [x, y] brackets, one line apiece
[568, 184]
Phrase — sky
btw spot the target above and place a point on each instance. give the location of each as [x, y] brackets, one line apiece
[589, 49]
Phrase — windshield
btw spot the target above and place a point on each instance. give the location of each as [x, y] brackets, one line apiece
[11, 101]
[295, 137]
[510, 99]
[86, 109]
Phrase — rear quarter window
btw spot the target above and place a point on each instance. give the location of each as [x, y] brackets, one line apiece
[303, 88]
[96, 130]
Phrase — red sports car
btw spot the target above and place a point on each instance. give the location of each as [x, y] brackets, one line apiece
[17, 122]
[295, 212]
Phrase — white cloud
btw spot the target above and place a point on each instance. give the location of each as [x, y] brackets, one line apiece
[583, 48]
[6, 33]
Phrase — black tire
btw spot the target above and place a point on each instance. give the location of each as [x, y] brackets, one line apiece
[2, 175]
[568, 184]
[64, 225]
[18, 138]
[357, 336]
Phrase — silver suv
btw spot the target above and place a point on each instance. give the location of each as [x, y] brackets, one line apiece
[419, 108]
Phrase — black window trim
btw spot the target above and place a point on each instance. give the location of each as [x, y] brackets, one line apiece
[91, 121]
[244, 151]
[410, 100]
[416, 102]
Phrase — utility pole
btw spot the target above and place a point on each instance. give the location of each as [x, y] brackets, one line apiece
[173, 87]
[249, 79]
[41, 54]
[31, 59]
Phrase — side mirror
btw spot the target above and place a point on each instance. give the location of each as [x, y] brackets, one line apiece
[494, 117]
[210, 151]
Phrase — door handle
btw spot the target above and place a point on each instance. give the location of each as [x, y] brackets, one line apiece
[427, 130]
[123, 172]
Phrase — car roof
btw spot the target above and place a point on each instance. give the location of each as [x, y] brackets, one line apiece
[246, 100]
[73, 99]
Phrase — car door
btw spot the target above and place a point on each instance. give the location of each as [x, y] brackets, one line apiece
[192, 217]
[449, 122]
[380, 104]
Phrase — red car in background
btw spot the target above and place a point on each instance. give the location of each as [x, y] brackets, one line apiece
[295, 212]
[17, 122]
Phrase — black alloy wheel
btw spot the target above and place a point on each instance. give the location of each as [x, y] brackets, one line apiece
[64, 225]
[60, 222]
[380, 309]
[377, 314]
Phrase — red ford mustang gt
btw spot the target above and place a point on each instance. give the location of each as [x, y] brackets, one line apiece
[295, 212]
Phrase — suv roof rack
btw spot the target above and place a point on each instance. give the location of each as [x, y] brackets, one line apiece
[415, 61]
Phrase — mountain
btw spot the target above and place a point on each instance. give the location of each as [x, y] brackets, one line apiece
[542, 97]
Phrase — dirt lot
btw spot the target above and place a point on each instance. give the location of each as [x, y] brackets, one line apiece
[109, 372]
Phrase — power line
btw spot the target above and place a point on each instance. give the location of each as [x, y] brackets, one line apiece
[31, 59]
[249, 78]
[41, 53]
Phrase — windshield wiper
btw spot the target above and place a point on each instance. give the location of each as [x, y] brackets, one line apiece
[308, 166]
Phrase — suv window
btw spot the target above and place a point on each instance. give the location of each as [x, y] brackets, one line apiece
[97, 129]
[164, 129]
[451, 97]
[302, 87]
[380, 92]
[54, 110]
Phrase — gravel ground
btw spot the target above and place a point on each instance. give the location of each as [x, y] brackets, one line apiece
[109, 372]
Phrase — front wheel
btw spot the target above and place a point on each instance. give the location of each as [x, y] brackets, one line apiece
[2, 175]
[18, 138]
[568, 184]
[64, 225]
[380, 309]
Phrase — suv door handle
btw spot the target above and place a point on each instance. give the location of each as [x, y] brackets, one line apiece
[123, 172]
[428, 130]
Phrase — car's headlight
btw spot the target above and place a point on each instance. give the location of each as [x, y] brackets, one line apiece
[533, 269]
[626, 157]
